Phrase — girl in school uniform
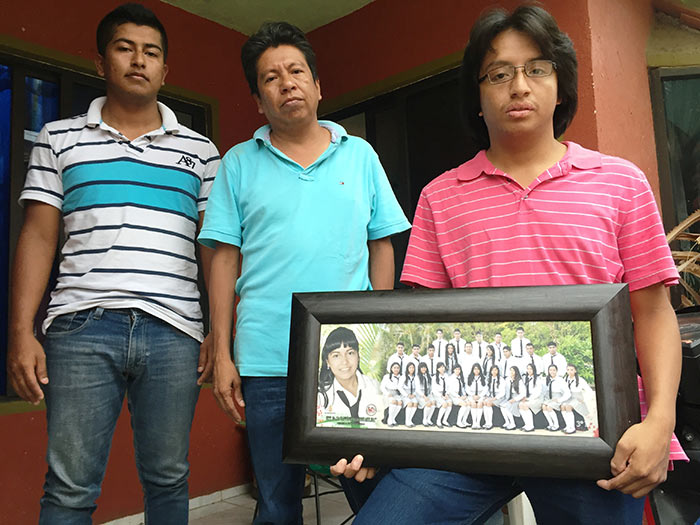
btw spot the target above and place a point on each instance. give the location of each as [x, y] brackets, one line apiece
[555, 393]
[450, 359]
[391, 388]
[514, 392]
[577, 386]
[495, 391]
[489, 360]
[476, 387]
[343, 390]
[425, 394]
[457, 389]
[531, 404]
[442, 396]
[409, 393]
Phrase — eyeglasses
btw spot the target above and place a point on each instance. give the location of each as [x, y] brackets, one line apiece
[533, 69]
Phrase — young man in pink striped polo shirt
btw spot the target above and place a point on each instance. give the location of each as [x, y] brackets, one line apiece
[530, 210]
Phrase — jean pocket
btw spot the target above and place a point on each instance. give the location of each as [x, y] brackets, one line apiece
[69, 323]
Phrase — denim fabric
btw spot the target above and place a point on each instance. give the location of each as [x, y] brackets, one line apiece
[94, 358]
[280, 486]
[438, 497]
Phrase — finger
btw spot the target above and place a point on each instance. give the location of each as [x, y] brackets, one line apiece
[616, 482]
[361, 475]
[354, 467]
[31, 385]
[238, 395]
[618, 463]
[371, 472]
[205, 376]
[202, 361]
[225, 401]
[339, 468]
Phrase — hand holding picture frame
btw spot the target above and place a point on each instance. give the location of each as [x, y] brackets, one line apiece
[390, 426]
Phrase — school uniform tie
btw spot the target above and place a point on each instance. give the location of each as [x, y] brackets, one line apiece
[550, 389]
[521, 348]
[432, 370]
[527, 387]
[476, 392]
[444, 387]
[354, 409]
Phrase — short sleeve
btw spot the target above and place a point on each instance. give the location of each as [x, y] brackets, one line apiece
[222, 219]
[44, 182]
[387, 217]
[212, 161]
[644, 251]
[423, 265]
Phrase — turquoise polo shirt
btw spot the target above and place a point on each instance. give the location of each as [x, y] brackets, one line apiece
[299, 230]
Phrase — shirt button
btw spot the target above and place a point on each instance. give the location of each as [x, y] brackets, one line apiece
[524, 197]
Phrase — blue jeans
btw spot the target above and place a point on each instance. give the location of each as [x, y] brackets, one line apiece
[93, 358]
[435, 496]
[280, 486]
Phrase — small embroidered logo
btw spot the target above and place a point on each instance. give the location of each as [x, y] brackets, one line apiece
[187, 161]
[371, 409]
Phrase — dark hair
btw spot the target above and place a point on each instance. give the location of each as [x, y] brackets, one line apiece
[447, 346]
[134, 13]
[424, 377]
[274, 34]
[554, 45]
[414, 345]
[575, 373]
[552, 343]
[498, 378]
[472, 376]
[415, 370]
[506, 347]
[517, 380]
[341, 336]
[400, 343]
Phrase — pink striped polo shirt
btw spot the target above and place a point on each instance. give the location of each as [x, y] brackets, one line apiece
[591, 218]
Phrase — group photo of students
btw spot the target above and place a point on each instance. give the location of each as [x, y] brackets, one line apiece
[500, 377]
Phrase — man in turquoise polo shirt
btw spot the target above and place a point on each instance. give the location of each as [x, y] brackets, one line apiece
[308, 208]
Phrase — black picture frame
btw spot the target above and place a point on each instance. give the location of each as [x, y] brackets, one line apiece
[605, 306]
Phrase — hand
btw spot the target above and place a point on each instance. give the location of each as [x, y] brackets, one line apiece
[640, 461]
[26, 366]
[227, 388]
[354, 469]
[206, 360]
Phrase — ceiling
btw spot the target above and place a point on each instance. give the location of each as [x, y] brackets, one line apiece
[246, 16]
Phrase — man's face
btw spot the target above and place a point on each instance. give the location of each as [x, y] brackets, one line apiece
[416, 350]
[457, 334]
[399, 349]
[497, 338]
[520, 333]
[523, 106]
[439, 334]
[506, 352]
[552, 349]
[133, 65]
[479, 338]
[431, 352]
[468, 348]
[289, 95]
[530, 349]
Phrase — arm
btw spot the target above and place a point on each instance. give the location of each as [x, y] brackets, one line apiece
[36, 248]
[222, 278]
[381, 263]
[206, 359]
[641, 456]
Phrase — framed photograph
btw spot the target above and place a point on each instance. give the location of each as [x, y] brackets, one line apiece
[535, 381]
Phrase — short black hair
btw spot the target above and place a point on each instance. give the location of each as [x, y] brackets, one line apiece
[274, 34]
[134, 13]
[554, 45]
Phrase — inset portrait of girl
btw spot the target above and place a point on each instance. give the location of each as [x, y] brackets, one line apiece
[345, 395]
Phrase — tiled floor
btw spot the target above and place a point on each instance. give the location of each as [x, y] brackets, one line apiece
[238, 510]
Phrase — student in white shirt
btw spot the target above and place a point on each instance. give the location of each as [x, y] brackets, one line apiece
[431, 360]
[508, 360]
[476, 387]
[578, 386]
[517, 345]
[450, 359]
[425, 394]
[442, 396]
[439, 345]
[514, 392]
[467, 358]
[457, 387]
[414, 357]
[398, 357]
[457, 340]
[344, 391]
[531, 404]
[531, 357]
[479, 345]
[554, 358]
[391, 388]
[495, 390]
[555, 393]
[498, 345]
[409, 392]
[489, 360]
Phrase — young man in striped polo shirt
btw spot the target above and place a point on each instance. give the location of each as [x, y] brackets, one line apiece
[567, 215]
[129, 184]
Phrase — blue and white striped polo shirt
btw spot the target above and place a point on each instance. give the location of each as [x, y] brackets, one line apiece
[130, 214]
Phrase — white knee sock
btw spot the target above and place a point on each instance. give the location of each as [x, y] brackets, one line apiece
[462, 416]
[410, 412]
[526, 414]
[476, 417]
[441, 413]
[427, 414]
[554, 421]
[393, 412]
[508, 418]
[569, 419]
[488, 416]
[448, 410]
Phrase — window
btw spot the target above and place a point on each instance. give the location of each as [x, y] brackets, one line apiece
[677, 127]
[31, 94]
